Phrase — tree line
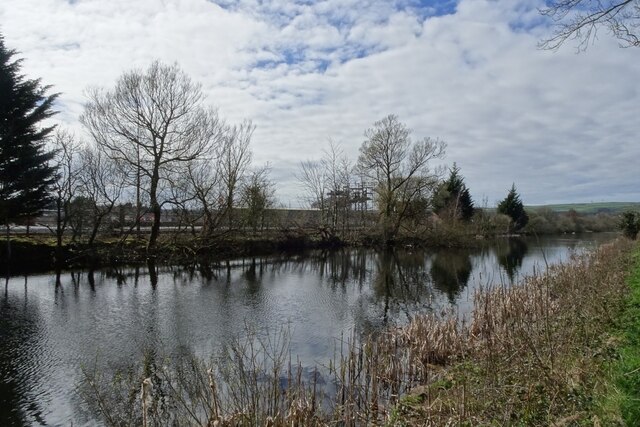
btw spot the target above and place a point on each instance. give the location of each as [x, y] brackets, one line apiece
[155, 145]
[153, 140]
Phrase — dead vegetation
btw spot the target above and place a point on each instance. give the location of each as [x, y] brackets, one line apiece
[531, 354]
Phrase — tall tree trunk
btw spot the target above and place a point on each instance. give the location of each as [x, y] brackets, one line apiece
[8, 230]
[207, 222]
[155, 227]
[138, 202]
[97, 221]
[58, 224]
[230, 209]
[155, 209]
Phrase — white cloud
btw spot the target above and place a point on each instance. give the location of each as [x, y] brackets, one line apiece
[562, 126]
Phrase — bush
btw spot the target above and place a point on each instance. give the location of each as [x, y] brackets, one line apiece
[630, 224]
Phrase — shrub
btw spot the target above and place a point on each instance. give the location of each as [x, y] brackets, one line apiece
[630, 224]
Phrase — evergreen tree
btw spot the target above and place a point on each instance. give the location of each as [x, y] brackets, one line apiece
[454, 197]
[512, 207]
[25, 175]
[630, 224]
[465, 204]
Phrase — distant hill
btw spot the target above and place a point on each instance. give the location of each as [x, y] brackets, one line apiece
[591, 208]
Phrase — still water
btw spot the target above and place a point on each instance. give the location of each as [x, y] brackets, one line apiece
[52, 326]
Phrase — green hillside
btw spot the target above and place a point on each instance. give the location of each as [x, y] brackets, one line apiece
[591, 208]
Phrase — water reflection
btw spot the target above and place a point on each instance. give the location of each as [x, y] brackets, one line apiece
[21, 395]
[511, 255]
[450, 272]
[50, 325]
[153, 272]
[401, 282]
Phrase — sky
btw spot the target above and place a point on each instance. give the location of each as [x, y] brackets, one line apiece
[563, 126]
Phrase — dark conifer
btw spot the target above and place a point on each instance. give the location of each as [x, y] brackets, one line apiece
[454, 196]
[512, 207]
[25, 173]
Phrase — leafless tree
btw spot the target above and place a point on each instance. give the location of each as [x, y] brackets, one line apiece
[65, 188]
[204, 185]
[326, 183]
[258, 196]
[235, 158]
[181, 196]
[337, 171]
[152, 121]
[336, 184]
[103, 181]
[312, 177]
[580, 20]
[399, 168]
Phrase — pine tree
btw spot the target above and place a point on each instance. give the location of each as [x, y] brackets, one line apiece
[512, 207]
[454, 196]
[25, 173]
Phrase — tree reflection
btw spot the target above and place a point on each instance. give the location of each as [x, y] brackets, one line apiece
[91, 279]
[20, 402]
[342, 266]
[400, 282]
[153, 272]
[253, 276]
[117, 272]
[510, 256]
[450, 272]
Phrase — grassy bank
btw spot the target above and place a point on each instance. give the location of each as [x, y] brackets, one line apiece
[621, 401]
[534, 354]
[545, 352]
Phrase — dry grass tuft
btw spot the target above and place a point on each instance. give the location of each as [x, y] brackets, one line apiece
[530, 354]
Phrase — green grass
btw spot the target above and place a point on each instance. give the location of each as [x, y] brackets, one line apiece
[591, 208]
[627, 367]
[620, 402]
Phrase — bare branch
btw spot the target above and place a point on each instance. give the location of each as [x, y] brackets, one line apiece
[580, 20]
[399, 168]
[153, 121]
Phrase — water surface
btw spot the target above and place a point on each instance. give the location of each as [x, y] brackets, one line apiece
[53, 325]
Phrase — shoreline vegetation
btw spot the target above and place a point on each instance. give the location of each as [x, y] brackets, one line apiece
[560, 348]
[40, 254]
[281, 231]
[156, 156]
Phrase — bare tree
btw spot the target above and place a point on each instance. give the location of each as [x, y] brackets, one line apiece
[152, 121]
[580, 20]
[103, 181]
[258, 195]
[235, 158]
[400, 169]
[326, 183]
[204, 185]
[181, 196]
[312, 178]
[65, 188]
[336, 172]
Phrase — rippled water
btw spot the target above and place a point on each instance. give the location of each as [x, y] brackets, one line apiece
[51, 326]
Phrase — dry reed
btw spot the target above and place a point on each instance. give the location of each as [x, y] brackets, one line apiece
[530, 354]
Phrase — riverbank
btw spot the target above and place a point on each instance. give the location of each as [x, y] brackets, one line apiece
[538, 353]
[621, 401]
[38, 253]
